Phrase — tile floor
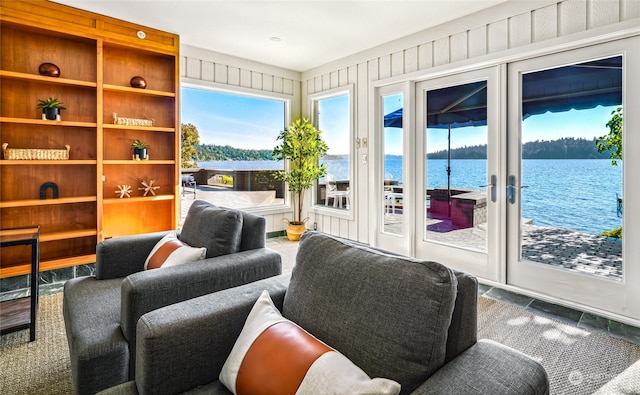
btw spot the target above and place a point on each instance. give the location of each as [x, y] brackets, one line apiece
[581, 319]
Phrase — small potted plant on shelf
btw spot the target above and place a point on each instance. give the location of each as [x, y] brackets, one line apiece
[51, 108]
[140, 150]
[302, 145]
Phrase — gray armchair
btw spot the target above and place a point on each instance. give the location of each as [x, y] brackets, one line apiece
[101, 311]
[395, 317]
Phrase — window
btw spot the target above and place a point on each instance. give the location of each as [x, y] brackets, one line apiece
[237, 134]
[332, 115]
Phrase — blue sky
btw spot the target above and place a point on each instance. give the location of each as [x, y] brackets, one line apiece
[235, 120]
[247, 122]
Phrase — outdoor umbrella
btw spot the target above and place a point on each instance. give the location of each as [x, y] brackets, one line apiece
[450, 108]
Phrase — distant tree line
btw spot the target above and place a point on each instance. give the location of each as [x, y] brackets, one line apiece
[210, 152]
[564, 148]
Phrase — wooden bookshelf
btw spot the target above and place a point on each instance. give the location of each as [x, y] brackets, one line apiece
[97, 57]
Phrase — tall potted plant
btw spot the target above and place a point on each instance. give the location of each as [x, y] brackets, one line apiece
[301, 144]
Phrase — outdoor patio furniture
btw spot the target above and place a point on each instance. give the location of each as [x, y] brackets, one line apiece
[332, 192]
[188, 185]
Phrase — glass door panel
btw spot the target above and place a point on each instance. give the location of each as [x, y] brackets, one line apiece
[393, 164]
[570, 187]
[456, 165]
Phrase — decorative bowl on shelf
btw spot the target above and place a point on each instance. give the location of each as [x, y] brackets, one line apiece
[138, 82]
[49, 70]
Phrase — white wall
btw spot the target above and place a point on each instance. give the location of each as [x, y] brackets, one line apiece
[504, 31]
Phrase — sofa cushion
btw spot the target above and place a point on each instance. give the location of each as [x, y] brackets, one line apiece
[170, 251]
[388, 314]
[297, 361]
[217, 229]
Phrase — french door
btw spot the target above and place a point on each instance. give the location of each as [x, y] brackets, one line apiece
[458, 172]
[557, 206]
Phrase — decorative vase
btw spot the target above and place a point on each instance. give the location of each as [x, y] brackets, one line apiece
[51, 113]
[140, 153]
[295, 231]
[138, 82]
[49, 70]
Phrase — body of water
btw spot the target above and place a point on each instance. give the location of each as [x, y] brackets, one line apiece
[578, 194]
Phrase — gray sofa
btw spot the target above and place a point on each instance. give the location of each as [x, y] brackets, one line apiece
[399, 318]
[101, 311]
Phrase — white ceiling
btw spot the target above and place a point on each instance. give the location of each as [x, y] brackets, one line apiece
[312, 33]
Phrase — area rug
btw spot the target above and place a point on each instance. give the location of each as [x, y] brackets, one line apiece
[41, 366]
[577, 361]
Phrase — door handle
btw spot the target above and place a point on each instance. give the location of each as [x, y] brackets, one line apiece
[493, 187]
[511, 189]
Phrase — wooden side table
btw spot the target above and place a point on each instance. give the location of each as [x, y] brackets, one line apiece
[20, 313]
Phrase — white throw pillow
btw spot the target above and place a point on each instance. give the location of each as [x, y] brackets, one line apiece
[170, 251]
[275, 356]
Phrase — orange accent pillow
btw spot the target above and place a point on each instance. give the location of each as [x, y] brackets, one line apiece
[170, 251]
[275, 356]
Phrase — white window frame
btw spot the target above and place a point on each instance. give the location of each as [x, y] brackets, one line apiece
[287, 206]
[313, 99]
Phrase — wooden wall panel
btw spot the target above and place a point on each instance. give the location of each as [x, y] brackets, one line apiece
[397, 63]
[208, 71]
[601, 13]
[441, 51]
[288, 87]
[233, 74]
[245, 78]
[572, 16]
[545, 23]
[459, 46]
[520, 30]
[267, 83]
[221, 73]
[411, 59]
[498, 36]
[384, 67]
[193, 68]
[630, 9]
[256, 80]
[278, 84]
[425, 56]
[478, 41]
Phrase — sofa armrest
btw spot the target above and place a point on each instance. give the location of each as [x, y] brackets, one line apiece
[488, 367]
[121, 256]
[149, 290]
[185, 345]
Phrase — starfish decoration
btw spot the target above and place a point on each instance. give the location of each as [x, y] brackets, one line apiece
[148, 188]
[124, 191]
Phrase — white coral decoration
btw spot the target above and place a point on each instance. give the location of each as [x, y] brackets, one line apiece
[124, 191]
[149, 188]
